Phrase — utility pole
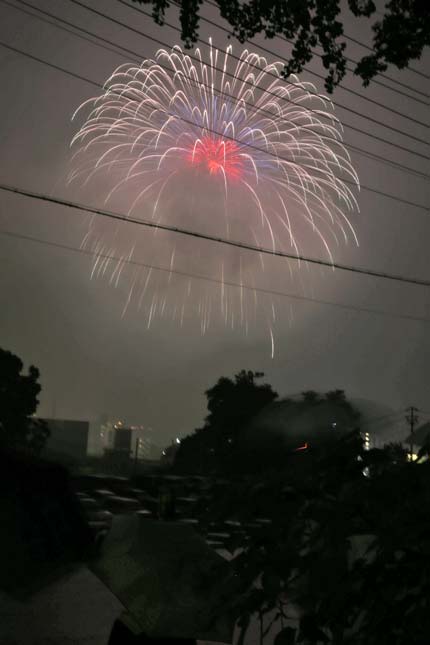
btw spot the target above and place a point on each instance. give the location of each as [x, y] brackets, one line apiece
[412, 419]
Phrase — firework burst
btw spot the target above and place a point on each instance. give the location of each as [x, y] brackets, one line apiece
[225, 146]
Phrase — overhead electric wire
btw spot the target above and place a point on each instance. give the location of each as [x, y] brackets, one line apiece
[53, 65]
[158, 41]
[276, 156]
[212, 238]
[138, 57]
[275, 55]
[381, 74]
[62, 27]
[375, 81]
[225, 283]
[383, 417]
[248, 145]
[386, 77]
[232, 284]
[164, 44]
[320, 76]
[220, 27]
[409, 69]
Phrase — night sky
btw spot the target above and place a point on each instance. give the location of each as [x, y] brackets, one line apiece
[95, 361]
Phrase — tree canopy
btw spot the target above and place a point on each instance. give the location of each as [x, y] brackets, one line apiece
[345, 540]
[242, 433]
[232, 403]
[18, 402]
[399, 36]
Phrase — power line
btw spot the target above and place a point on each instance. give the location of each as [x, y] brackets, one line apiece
[410, 69]
[225, 136]
[320, 76]
[378, 82]
[196, 276]
[220, 27]
[212, 238]
[383, 417]
[281, 157]
[385, 76]
[374, 79]
[53, 65]
[54, 24]
[138, 57]
[164, 44]
[382, 75]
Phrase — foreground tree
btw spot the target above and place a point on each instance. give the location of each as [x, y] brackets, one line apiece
[232, 403]
[342, 557]
[399, 37]
[18, 402]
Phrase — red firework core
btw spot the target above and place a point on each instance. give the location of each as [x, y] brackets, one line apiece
[217, 156]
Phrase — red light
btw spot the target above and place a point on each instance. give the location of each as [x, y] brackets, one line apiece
[218, 156]
[304, 447]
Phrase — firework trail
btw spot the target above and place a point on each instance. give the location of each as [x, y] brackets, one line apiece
[226, 147]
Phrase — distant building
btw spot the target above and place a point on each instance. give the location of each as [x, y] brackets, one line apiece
[367, 443]
[68, 437]
[107, 434]
[137, 440]
[122, 438]
[143, 445]
[101, 436]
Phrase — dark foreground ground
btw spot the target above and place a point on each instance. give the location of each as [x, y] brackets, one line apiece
[79, 609]
[76, 611]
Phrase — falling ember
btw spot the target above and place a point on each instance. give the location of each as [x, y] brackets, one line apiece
[224, 146]
[304, 447]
